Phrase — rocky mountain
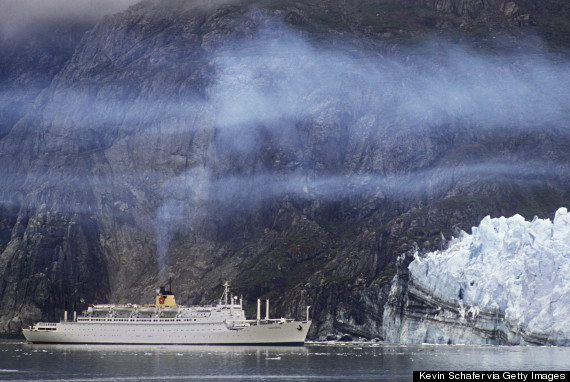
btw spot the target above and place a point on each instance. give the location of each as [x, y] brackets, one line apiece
[293, 148]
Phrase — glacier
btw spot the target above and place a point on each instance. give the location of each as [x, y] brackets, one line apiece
[506, 283]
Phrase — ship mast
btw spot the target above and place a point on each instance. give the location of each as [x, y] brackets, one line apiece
[226, 286]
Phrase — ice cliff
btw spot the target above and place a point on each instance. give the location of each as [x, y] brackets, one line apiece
[506, 283]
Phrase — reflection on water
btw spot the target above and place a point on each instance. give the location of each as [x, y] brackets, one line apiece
[314, 362]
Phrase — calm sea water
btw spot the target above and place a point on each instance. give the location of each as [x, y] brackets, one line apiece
[314, 362]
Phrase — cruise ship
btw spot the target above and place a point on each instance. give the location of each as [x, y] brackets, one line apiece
[165, 322]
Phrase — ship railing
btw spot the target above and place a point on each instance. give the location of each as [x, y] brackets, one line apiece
[41, 324]
[266, 321]
[138, 319]
[44, 326]
[240, 324]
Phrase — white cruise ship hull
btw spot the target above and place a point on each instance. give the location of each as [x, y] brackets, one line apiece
[190, 333]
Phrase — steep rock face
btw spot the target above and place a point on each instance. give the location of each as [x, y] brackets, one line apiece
[37, 251]
[509, 10]
[541, 18]
[203, 144]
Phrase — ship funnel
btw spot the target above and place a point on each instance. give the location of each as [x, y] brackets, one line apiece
[164, 298]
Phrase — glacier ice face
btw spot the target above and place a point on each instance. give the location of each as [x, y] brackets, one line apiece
[507, 282]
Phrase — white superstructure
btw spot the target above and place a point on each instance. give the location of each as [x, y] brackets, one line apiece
[168, 323]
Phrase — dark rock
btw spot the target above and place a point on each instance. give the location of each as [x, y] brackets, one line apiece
[345, 338]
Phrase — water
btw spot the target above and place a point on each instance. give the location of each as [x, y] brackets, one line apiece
[314, 362]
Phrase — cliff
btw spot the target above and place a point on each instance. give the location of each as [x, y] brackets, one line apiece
[295, 149]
